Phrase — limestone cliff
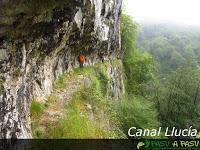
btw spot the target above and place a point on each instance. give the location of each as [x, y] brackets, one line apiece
[40, 40]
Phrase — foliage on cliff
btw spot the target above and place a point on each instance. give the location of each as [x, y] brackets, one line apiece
[174, 88]
[139, 67]
[170, 98]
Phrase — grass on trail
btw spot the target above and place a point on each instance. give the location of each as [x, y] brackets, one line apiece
[86, 114]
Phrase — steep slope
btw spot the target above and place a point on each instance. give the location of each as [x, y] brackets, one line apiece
[40, 40]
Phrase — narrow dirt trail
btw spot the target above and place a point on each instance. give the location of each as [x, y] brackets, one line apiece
[72, 86]
[56, 109]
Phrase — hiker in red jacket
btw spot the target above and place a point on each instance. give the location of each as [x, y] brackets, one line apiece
[81, 59]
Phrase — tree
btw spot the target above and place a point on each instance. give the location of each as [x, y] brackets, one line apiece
[138, 65]
[139, 68]
[180, 103]
[128, 32]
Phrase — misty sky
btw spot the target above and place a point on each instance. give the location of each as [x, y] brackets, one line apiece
[176, 11]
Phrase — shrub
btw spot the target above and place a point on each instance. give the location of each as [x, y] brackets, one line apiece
[75, 125]
[36, 109]
[136, 112]
[61, 81]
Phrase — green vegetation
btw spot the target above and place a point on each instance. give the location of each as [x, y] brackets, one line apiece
[139, 66]
[128, 31]
[61, 81]
[162, 74]
[78, 120]
[72, 125]
[36, 109]
[170, 45]
[136, 110]
[178, 101]
[88, 113]
[175, 87]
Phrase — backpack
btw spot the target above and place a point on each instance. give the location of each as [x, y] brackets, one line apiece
[81, 58]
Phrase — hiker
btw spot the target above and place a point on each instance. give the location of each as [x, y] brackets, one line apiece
[101, 55]
[81, 59]
[90, 50]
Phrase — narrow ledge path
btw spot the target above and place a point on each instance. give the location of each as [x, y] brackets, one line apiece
[55, 110]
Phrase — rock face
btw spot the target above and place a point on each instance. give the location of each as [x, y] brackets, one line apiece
[39, 43]
[116, 86]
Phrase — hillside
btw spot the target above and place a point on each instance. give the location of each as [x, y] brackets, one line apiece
[174, 89]
[171, 45]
